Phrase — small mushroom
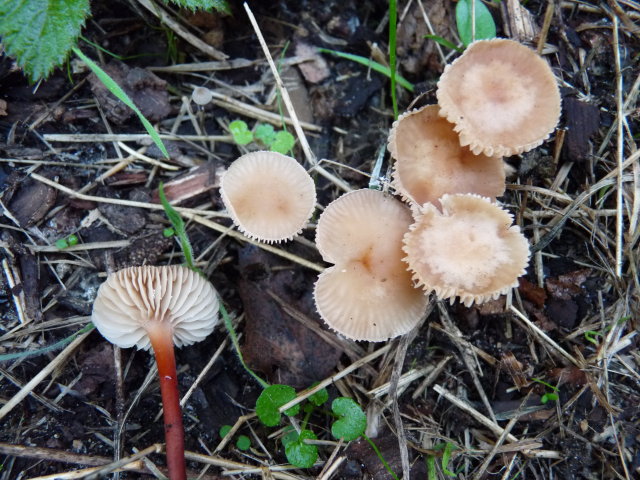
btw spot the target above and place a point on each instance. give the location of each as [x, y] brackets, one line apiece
[201, 96]
[368, 294]
[157, 307]
[269, 196]
[502, 97]
[470, 250]
[430, 161]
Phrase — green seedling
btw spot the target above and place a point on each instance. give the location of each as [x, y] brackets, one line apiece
[42, 42]
[279, 141]
[242, 442]
[299, 453]
[66, 242]
[168, 232]
[352, 420]
[270, 400]
[547, 396]
[592, 336]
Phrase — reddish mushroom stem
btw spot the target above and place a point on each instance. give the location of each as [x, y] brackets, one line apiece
[161, 338]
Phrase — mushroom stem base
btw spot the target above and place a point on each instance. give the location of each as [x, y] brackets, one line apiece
[162, 342]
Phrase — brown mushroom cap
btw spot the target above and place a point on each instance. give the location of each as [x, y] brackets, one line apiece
[368, 294]
[136, 300]
[269, 196]
[502, 97]
[430, 161]
[470, 250]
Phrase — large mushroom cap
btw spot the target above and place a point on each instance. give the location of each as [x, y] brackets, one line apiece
[470, 250]
[136, 300]
[431, 162]
[502, 97]
[270, 196]
[368, 294]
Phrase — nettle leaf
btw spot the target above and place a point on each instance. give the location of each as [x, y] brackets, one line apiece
[40, 33]
[283, 142]
[220, 5]
[241, 133]
[352, 422]
[300, 454]
[271, 399]
[265, 133]
[485, 26]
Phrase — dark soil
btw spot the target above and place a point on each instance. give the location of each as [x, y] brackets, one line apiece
[577, 413]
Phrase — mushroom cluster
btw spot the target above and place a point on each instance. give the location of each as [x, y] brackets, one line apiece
[498, 98]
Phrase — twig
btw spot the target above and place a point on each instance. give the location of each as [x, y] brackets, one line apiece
[540, 334]
[619, 151]
[311, 158]
[328, 381]
[41, 375]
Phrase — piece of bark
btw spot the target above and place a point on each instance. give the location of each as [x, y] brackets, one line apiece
[31, 202]
[147, 90]
[582, 121]
[202, 179]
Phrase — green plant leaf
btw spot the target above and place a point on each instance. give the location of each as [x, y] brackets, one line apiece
[243, 442]
[123, 97]
[62, 243]
[283, 142]
[485, 26]
[241, 133]
[40, 33]
[320, 397]
[375, 66]
[300, 454]
[352, 422]
[446, 458]
[444, 42]
[271, 399]
[220, 5]
[224, 430]
[265, 133]
[179, 228]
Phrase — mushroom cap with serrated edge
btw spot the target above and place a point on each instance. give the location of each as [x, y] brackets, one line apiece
[269, 196]
[502, 97]
[368, 294]
[470, 250]
[137, 299]
[429, 160]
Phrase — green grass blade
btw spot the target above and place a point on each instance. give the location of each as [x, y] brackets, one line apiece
[123, 97]
[393, 18]
[49, 348]
[370, 64]
[179, 227]
[444, 42]
[236, 345]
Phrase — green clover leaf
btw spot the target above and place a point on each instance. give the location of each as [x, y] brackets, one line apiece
[352, 422]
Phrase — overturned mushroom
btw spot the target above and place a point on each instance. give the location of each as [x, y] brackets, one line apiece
[430, 161]
[157, 307]
[470, 250]
[368, 294]
[502, 97]
[269, 196]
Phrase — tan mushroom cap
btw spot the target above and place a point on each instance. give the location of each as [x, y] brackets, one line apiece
[368, 294]
[430, 161]
[135, 300]
[470, 250]
[502, 97]
[270, 196]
